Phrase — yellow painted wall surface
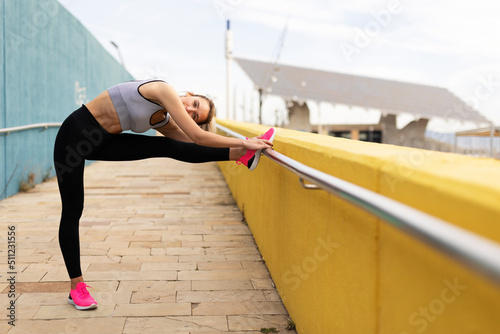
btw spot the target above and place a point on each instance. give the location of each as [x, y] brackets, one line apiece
[339, 269]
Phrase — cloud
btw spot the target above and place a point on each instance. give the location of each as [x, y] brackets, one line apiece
[480, 87]
[425, 26]
[155, 18]
[442, 43]
[122, 9]
[452, 27]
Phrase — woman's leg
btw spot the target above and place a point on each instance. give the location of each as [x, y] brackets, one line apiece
[236, 152]
[80, 138]
[69, 165]
[126, 147]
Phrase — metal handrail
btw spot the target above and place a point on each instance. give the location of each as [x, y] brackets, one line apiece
[29, 127]
[474, 251]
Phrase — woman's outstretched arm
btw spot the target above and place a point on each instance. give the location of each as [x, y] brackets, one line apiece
[165, 95]
[171, 130]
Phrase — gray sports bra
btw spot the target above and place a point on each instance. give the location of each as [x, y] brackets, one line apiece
[134, 110]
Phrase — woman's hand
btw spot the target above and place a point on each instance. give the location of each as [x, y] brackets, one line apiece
[256, 143]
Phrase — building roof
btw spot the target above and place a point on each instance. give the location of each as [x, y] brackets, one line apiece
[482, 132]
[392, 97]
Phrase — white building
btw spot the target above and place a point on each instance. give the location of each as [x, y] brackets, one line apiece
[377, 102]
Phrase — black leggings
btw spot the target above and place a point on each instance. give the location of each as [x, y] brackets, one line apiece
[82, 138]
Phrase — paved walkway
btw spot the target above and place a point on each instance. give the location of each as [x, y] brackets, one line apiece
[163, 247]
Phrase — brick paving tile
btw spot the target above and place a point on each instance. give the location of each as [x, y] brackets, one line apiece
[233, 284]
[256, 322]
[163, 247]
[180, 324]
[239, 308]
[220, 296]
[71, 325]
[154, 296]
[152, 310]
[220, 265]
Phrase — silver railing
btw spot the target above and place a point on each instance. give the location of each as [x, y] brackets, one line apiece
[474, 251]
[7, 131]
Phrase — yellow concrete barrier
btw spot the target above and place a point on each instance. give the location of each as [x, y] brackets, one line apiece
[339, 269]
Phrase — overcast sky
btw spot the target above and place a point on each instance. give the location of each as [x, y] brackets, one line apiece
[445, 43]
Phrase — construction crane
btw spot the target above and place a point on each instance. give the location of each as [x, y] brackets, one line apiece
[270, 77]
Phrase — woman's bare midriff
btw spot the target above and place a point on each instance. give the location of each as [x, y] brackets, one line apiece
[104, 112]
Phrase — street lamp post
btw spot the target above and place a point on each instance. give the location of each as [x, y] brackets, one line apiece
[229, 57]
[119, 53]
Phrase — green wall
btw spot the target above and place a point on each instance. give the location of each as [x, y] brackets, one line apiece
[51, 65]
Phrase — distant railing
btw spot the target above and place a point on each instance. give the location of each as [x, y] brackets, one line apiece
[7, 131]
[474, 251]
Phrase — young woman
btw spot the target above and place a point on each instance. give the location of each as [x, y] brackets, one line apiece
[94, 132]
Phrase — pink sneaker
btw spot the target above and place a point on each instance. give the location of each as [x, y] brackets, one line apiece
[269, 135]
[251, 158]
[81, 298]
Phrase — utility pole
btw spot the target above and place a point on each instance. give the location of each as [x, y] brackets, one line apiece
[260, 105]
[492, 135]
[229, 57]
